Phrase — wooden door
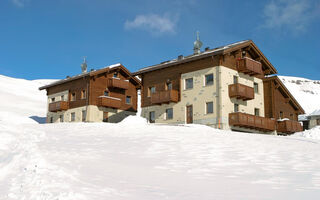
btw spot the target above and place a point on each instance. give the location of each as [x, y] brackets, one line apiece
[105, 116]
[189, 114]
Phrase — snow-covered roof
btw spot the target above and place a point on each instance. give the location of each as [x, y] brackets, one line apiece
[315, 113]
[83, 75]
[177, 60]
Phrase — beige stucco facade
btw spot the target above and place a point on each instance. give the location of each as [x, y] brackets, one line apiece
[201, 94]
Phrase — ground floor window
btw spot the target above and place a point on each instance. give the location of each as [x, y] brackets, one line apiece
[84, 113]
[169, 113]
[61, 118]
[318, 121]
[209, 107]
[73, 117]
[51, 119]
[152, 117]
[128, 99]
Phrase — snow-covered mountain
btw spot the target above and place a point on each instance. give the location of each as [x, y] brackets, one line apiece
[21, 101]
[306, 91]
[136, 160]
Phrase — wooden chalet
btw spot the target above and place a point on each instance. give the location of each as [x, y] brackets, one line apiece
[108, 94]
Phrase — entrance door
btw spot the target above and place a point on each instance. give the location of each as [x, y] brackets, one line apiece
[189, 114]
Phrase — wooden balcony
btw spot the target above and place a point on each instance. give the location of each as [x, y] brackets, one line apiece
[58, 106]
[289, 126]
[250, 66]
[240, 91]
[106, 101]
[252, 122]
[117, 83]
[166, 96]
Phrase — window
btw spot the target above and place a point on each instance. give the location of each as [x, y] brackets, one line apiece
[84, 113]
[208, 79]
[128, 99]
[235, 79]
[83, 94]
[106, 93]
[209, 107]
[151, 117]
[115, 75]
[51, 119]
[318, 121]
[52, 99]
[169, 86]
[256, 87]
[256, 112]
[62, 97]
[236, 107]
[169, 113]
[189, 83]
[151, 90]
[73, 117]
[291, 116]
[281, 114]
[73, 96]
[61, 118]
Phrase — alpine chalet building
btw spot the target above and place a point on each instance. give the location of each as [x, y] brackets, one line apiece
[105, 95]
[222, 87]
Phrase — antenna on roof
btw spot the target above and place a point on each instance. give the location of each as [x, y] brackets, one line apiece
[197, 45]
[84, 65]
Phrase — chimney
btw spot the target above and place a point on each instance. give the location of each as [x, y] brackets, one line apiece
[84, 65]
[207, 49]
[197, 45]
[180, 57]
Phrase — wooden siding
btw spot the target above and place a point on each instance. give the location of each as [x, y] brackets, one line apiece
[58, 106]
[275, 100]
[109, 102]
[99, 84]
[74, 86]
[241, 91]
[166, 96]
[159, 78]
[251, 121]
[289, 126]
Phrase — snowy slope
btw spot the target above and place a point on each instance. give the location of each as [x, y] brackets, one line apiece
[21, 99]
[306, 91]
[133, 160]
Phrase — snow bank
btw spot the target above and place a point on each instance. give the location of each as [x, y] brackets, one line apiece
[134, 121]
[313, 133]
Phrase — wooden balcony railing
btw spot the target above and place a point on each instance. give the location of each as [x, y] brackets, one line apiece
[250, 66]
[110, 102]
[166, 96]
[58, 106]
[240, 91]
[252, 122]
[289, 126]
[118, 83]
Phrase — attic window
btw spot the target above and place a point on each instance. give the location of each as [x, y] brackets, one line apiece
[106, 93]
[115, 75]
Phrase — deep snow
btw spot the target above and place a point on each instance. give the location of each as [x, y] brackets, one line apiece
[136, 160]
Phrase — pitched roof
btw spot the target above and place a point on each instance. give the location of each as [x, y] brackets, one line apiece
[94, 73]
[217, 51]
[286, 91]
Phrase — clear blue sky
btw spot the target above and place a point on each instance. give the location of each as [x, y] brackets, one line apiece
[48, 38]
